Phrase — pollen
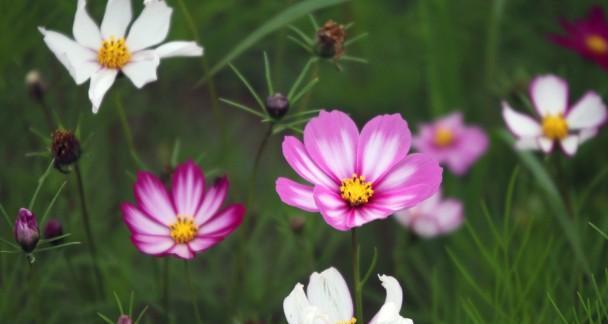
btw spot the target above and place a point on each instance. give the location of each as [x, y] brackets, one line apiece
[350, 321]
[443, 137]
[113, 53]
[184, 230]
[555, 127]
[597, 44]
[356, 190]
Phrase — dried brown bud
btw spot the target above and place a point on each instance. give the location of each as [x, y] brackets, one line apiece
[65, 148]
[35, 85]
[297, 224]
[330, 40]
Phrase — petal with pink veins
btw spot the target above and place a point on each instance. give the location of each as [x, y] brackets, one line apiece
[200, 244]
[140, 223]
[223, 223]
[296, 195]
[335, 211]
[297, 157]
[549, 94]
[212, 200]
[152, 244]
[153, 199]
[188, 183]
[182, 251]
[383, 142]
[588, 112]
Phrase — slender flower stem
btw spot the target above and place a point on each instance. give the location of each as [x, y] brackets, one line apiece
[256, 162]
[128, 134]
[197, 312]
[88, 232]
[357, 277]
[165, 297]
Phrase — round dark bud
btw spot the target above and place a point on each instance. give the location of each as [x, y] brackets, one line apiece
[124, 319]
[65, 149]
[35, 85]
[53, 229]
[330, 40]
[277, 105]
[297, 224]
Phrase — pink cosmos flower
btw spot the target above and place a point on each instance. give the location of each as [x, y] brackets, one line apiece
[183, 222]
[588, 36]
[432, 217]
[451, 142]
[558, 123]
[356, 177]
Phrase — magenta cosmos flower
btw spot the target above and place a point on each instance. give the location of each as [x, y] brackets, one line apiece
[356, 177]
[451, 142]
[588, 36]
[434, 216]
[569, 127]
[183, 222]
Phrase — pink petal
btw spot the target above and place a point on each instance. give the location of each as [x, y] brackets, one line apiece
[212, 200]
[182, 251]
[367, 213]
[200, 244]
[188, 185]
[152, 244]
[519, 124]
[297, 157]
[384, 141]
[223, 223]
[549, 94]
[331, 140]
[153, 199]
[335, 211]
[472, 144]
[414, 179]
[140, 223]
[296, 195]
[588, 112]
[449, 215]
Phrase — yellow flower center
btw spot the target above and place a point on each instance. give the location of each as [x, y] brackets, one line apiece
[443, 137]
[356, 190]
[596, 44]
[184, 230]
[113, 53]
[350, 321]
[555, 127]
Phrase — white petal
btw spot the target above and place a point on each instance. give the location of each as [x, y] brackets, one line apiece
[295, 305]
[142, 68]
[151, 27]
[388, 315]
[81, 62]
[100, 83]
[116, 18]
[328, 291]
[179, 48]
[549, 94]
[588, 112]
[570, 144]
[85, 30]
[389, 312]
[527, 143]
[546, 144]
[520, 124]
[586, 134]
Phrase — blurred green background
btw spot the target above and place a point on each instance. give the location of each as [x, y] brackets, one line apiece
[514, 264]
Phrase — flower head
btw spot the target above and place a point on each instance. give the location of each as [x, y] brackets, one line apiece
[451, 142]
[328, 301]
[53, 229]
[26, 230]
[65, 148]
[434, 216]
[330, 40]
[99, 54]
[356, 177]
[557, 122]
[587, 36]
[184, 221]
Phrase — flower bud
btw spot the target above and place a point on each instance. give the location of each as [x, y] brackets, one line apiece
[124, 319]
[277, 105]
[65, 148]
[53, 229]
[26, 230]
[330, 40]
[297, 224]
[35, 85]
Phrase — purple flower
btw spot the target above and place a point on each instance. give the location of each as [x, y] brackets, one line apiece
[356, 177]
[53, 229]
[26, 230]
[587, 36]
[452, 143]
[434, 216]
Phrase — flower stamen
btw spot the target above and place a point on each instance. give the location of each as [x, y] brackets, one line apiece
[597, 44]
[555, 127]
[443, 137]
[350, 321]
[113, 53]
[356, 190]
[184, 230]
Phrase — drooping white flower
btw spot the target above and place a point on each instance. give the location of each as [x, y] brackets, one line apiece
[559, 123]
[99, 54]
[327, 300]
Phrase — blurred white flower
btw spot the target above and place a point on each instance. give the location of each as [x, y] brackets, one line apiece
[99, 54]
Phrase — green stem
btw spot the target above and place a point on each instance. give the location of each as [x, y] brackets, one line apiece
[165, 293]
[87, 228]
[128, 134]
[197, 312]
[357, 277]
[256, 162]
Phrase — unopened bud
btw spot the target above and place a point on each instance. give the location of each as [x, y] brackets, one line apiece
[124, 319]
[26, 230]
[277, 105]
[297, 224]
[53, 229]
[35, 85]
[330, 40]
[65, 148]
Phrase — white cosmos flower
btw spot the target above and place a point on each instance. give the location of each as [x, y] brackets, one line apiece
[99, 54]
[327, 301]
[558, 123]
